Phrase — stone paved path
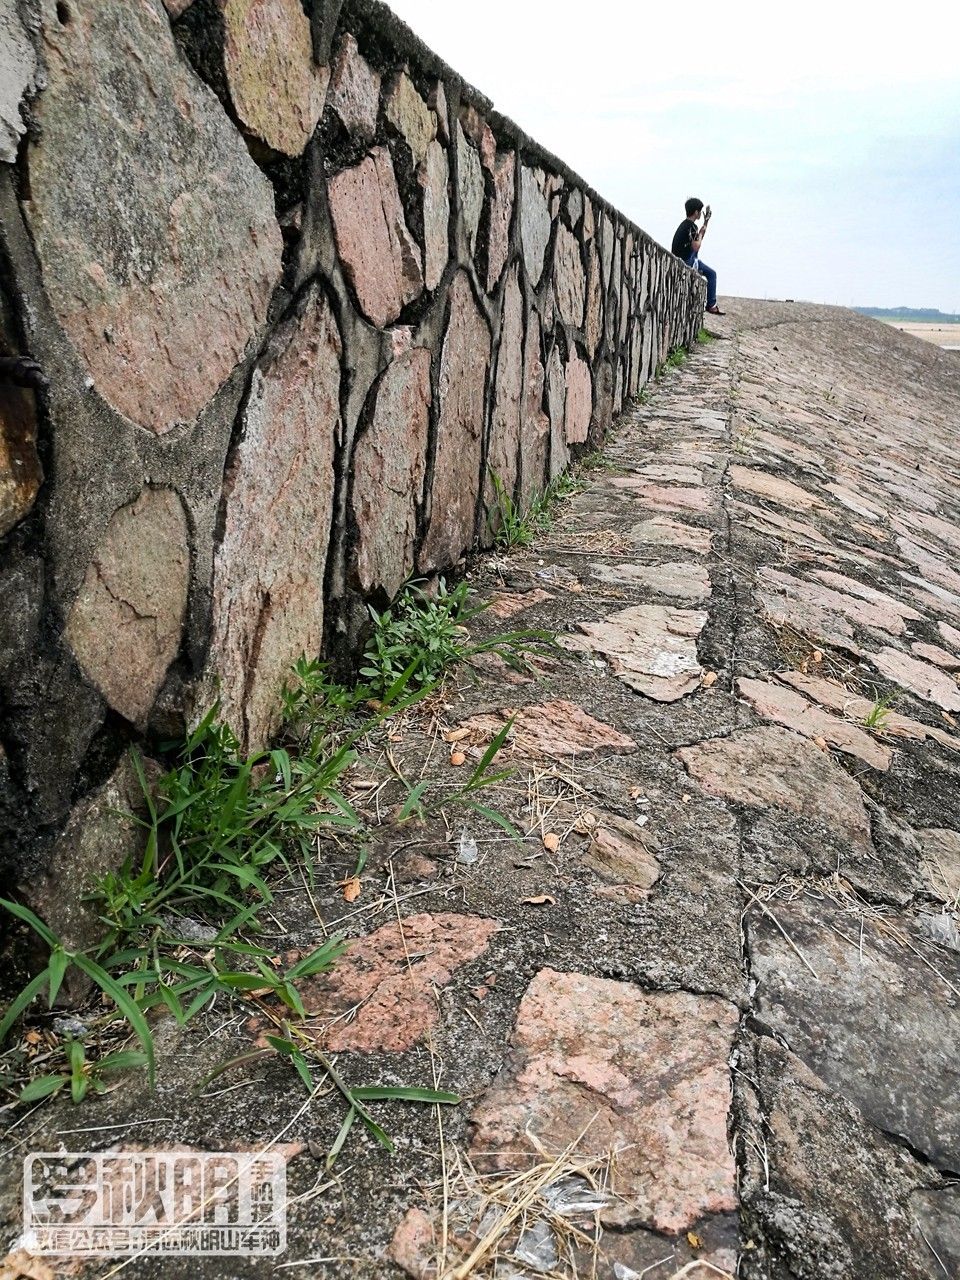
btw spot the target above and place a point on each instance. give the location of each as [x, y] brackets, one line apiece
[706, 1019]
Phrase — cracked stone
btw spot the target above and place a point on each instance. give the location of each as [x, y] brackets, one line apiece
[618, 851]
[650, 647]
[819, 624]
[276, 88]
[661, 531]
[432, 177]
[504, 447]
[774, 767]
[392, 974]
[126, 622]
[535, 423]
[410, 115]
[682, 581]
[941, 862]
[269, 567]
[556, 729]
[933, 653]
[389, 465]
[883, 614]
[665, 497]
[796, 531]
[534, 223]
[618, 1069]
[838, 698]
[774, 702]
[380, 257]
[926, 681]
[503, 174]
[568, 277]
[852, 587]
[146, 279]
[354, 92]
[470, 187]
[764, 485]
[593, 324]
[462, 381]
[893, 1030]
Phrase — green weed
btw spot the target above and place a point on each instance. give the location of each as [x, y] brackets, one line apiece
[704, 337]
[876, 717]
[421, 638]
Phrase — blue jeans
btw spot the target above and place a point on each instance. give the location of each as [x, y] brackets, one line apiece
[708, 274]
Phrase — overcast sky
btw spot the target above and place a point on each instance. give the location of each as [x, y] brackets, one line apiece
[825, 135]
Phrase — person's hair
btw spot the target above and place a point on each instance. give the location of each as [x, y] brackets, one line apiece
[693, 206]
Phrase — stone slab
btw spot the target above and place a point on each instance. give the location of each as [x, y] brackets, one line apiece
[652, 648]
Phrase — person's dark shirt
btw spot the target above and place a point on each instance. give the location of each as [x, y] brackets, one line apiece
[683, 239]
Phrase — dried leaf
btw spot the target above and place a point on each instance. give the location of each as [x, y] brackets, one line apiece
[708, 678]
[817, 655]
[551, 841]
[456, 735]
[351, 889]
[821, 743]
[539, 900]
[457, 758]
[693, 1240]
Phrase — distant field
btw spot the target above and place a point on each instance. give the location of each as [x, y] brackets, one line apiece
[946, 336]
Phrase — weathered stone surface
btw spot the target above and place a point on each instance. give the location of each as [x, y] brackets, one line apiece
[893, 1029]
[950, 635]
[663, 497]
[505, 604]
[389, 464]
[765, 485]
[380, 257]
[883, 615]
[126, 621]
[463, 372]
[593, 322]
[838, 698]
[556, 397]
[933, 653]
[414, 1245]
[470, 187]
[410, 115]
[534, 424]
[20, 471]
[503, 454]
[354, 92]
[269, 567]
[826, 1178]
[941, 862]
[569, 280]
[926, 681]
[644, 1075]
[534, 223]
[392, 975]
[579, 400]
[18, 69]
[818, 624]
[433, 178]
[101, 832]
[133, 292]
[650, 647]
[662, 531]
[552, 729]
[618, 852]
[681, 581]
[851, 586]
[769, 766]
[503, 172]
[773, 524]
[276, 88]
[774, 702]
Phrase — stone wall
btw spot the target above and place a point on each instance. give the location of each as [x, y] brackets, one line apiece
[296, 290]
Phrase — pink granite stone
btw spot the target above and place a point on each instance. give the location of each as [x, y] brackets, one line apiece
[650, 647]
[933, 653]
[881, 614]
[354, 92]
[556, 729]
[276, 88]
[776, 488]
[661, 531]
[593, 325]
[381, 997]
[126, 622]
[470, 186]
[380, 257]
[927, 682]
[579, 404]
[556, 398]
[456, 479]
[133, 292]
[269, 567]
[854, 707]
[433, 178]
[503, 173]
[774, 702]
[663, 497]
[504, 446]
[389, 462]
[603, 1066]
[568, 278]
[534, 424]
[409, 115]
[535, 222]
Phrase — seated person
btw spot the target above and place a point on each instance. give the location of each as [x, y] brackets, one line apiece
[686, 245]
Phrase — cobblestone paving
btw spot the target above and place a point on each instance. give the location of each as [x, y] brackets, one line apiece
[705, 1019]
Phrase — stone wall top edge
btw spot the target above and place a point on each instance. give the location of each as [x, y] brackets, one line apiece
[381, 19]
